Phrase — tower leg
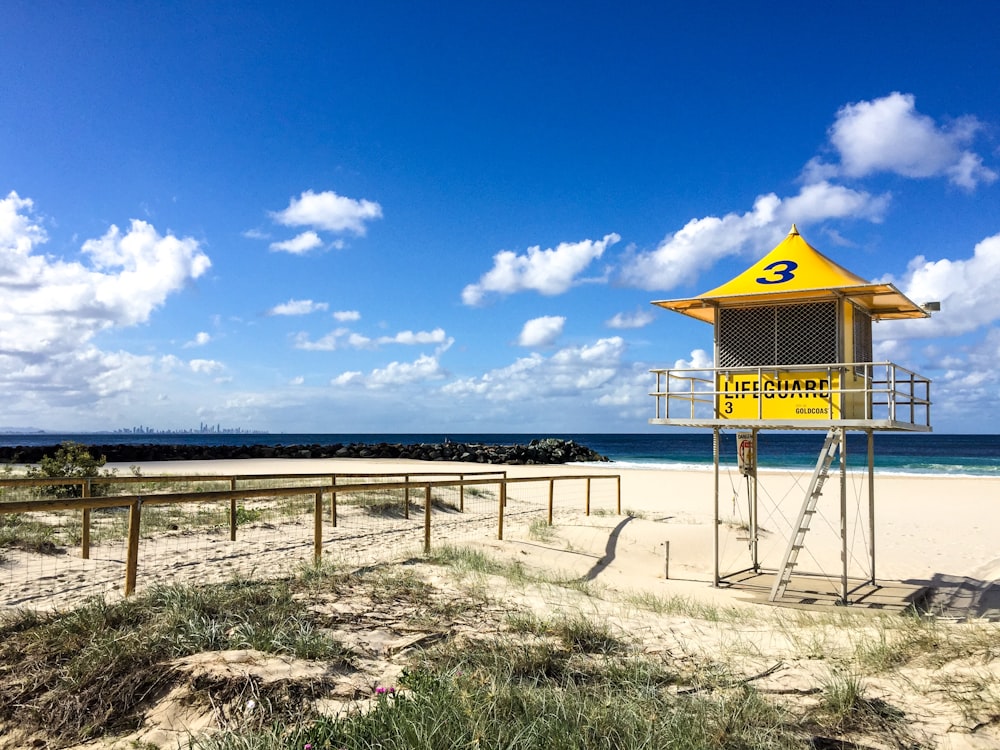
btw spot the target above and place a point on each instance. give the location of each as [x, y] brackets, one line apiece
[871, 500]
[843, 517]
[715, 518]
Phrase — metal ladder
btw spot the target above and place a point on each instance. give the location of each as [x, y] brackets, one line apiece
[830, 447]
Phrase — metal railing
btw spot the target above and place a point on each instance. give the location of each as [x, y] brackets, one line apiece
[880, 395]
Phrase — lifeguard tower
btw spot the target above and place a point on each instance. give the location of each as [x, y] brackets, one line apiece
[793, 351]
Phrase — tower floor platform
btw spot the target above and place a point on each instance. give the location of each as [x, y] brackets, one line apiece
[816, 592]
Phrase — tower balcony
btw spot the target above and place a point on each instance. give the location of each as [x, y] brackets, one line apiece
[852, 395]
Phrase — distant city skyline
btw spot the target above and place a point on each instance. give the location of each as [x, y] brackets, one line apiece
[452, 217]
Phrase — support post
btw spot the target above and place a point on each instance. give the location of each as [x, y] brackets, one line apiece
[754, 518]
[232, 511]
[618, 482]
[552, 490]
[461, 493]
[588, 496]
[503, 502]
[427, 519]
[132, 552]
[666, 560]
[406, 498]
[843, 516]
[715, 513]
[333, 508]
[871, 500]
[318, 528]
[85, 531]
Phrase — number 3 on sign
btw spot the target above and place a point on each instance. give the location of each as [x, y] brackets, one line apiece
[781, 271]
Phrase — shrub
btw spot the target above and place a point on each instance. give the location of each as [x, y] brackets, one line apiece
[71, 460]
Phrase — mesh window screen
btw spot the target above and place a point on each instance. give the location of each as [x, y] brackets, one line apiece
[862, 337]
[801, 334]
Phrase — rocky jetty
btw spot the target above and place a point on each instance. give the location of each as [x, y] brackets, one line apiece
[545, 451]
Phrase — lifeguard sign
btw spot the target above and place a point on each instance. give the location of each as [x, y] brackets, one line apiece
[793, 340]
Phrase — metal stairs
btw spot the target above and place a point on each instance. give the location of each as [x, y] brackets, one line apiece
[797, 541]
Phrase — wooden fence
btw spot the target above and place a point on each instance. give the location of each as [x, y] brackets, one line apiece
[319, 495]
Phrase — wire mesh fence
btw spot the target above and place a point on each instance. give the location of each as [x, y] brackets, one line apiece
[110, 538]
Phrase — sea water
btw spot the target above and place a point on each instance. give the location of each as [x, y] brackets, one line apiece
[903, 453]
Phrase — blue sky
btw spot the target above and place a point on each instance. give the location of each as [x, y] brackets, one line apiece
[452, 217]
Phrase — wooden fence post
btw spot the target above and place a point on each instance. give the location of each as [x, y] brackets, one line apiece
[619, 483]
[333, 501]
[461, 493]
[85, 532]
[232, 511]
[132, 556]
[427, 519]
[406, 499]
[588, 496]
[503, 502]
[552, 490]
[318, 528]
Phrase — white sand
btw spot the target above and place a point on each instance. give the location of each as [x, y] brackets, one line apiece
[928, 530]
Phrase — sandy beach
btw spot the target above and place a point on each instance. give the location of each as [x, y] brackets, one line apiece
[928, 530]
[937, 532]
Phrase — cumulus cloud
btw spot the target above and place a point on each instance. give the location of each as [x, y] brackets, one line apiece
[298, 245]
[541, 331]
[551, 271]
[345, 338]
[205, 366]
[298, 307]
[51, 309]
[347, 316]
[966, 289]
[589, 370]
[890, 135]
[425, 368]
[200, 339]
[681, 256]
[638, 319]
[329, 211]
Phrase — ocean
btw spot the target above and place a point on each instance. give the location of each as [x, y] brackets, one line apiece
[895, 453]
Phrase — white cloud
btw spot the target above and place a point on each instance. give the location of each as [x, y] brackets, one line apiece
[681, 256]
[344, 338]
[889, 135]
[966, 289]
[436, 336]
[541, 331]
[347, 316]
[298, 307]
[590, 372]
[200, 339]
[424, 368]
[638, 319]
[549, 272]
[51, 309]
[700, 360]
[297, 380]
[329, 211]
[205, 366]
[298, 245]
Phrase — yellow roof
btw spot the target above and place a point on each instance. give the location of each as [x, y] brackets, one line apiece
[795, 271]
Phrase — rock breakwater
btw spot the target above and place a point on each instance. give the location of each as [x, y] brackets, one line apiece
[544, 451]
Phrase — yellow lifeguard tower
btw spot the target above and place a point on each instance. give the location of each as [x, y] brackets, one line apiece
[793, 351]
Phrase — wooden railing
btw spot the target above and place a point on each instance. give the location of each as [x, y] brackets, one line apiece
[324, 489]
